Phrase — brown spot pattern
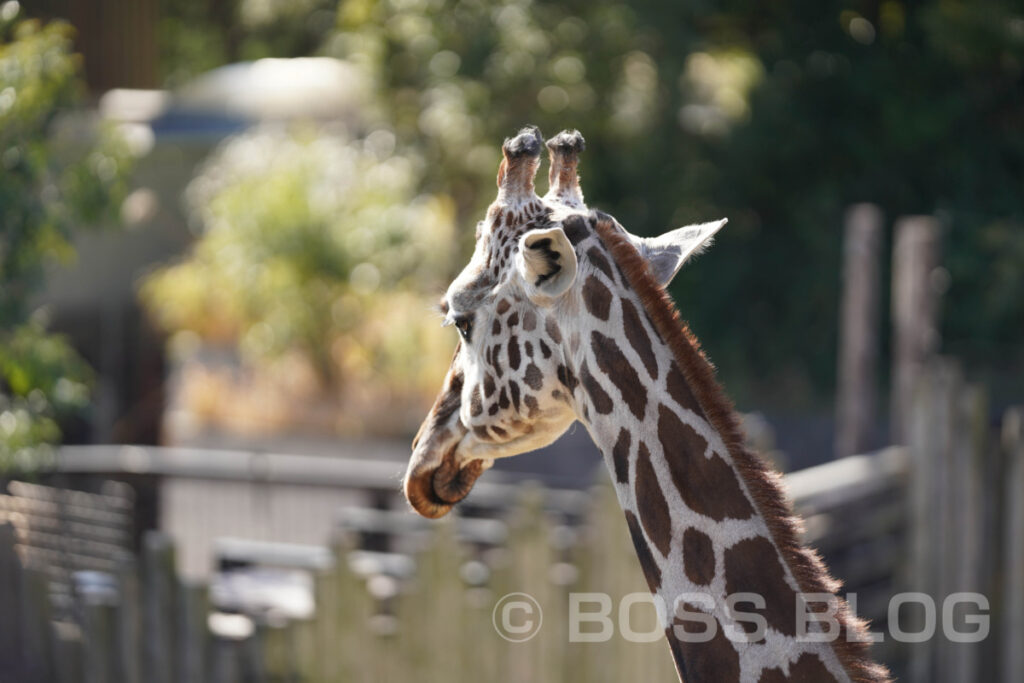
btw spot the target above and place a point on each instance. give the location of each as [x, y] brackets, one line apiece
[620, 371]
[620, 456]
[476, 405]
[772, 676]
[551, 327]
[810, 669]
[598, 259]
[503, 306]
[650, 503]
[531, 404]
[514, 357]
[715, 660]
[533, 377]
[752, 566]
[513, 389]
[529, 321]
[638, 338]
[498, 369]
[807, 669]
[679, 390]
[698, 556]
[567, 378]
[598, 397]
[575, 228]
[597, 298]
[448, 404]
[650, 568]
[708, 486]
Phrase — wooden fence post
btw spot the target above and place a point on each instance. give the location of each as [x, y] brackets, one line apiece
[98, 593]
[930, 422]
[67, 653]
[1013, 574]
[159, 613]
[10, 615]
[965, 524]
[914, 311]
[128, 620]
[857, 388]
[37, 625]
[193, 635]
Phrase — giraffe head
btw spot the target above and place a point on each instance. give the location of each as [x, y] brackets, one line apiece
[511, 385]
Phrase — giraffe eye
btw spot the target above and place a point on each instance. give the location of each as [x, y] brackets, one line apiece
[465, 327]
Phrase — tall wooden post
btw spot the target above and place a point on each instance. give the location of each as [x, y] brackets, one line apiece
[916, 286]
[10, 617]
[159, 609]
[1013, 574]
[857, 387]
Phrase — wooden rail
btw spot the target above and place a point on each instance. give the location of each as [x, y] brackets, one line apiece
[941, 515]
[424, 614]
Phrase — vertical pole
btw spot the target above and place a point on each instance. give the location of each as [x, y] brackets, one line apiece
[858, 331]
[914, 311]
[37, 626]
[965, 524]
[99, 597]
[10, 615]
[159, 613]
[1013, 574]
[128, 621]
[194, 639]
[930, 425]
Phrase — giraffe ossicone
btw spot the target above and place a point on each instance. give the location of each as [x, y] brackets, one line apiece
[563, 316]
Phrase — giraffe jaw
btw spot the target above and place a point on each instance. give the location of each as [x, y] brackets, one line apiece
[432, 490]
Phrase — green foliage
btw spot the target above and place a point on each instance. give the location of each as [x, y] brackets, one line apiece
[51, 184]
[306, 236]
[777, 116]
[198, 35]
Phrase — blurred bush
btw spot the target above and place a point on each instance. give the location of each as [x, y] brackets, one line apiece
[316, 248]
[777, 116]
[54, 180]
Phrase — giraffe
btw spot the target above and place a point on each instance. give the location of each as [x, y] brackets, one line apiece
[562, 316]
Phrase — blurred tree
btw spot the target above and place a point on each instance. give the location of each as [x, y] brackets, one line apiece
[52, 184]
[777, 116]
[198, 35]
[315, 243]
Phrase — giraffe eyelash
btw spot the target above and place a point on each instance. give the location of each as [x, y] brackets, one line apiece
[440, 307]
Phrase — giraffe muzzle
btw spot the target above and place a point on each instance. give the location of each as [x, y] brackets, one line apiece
[432, 490]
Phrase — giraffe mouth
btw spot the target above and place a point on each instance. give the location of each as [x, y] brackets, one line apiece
[432, 490]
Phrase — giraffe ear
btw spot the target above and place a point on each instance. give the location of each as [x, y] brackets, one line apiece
[547, 262]
[665, 254]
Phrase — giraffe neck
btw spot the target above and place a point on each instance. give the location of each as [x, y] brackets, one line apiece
[707, 518]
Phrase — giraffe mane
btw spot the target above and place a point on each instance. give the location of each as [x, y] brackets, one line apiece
[763, 483]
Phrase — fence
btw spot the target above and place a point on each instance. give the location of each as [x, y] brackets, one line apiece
[966, 516]
[379, 619]
[942, 515]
